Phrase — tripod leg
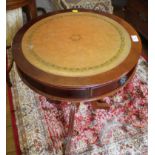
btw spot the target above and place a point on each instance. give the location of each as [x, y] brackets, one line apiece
[71, 129]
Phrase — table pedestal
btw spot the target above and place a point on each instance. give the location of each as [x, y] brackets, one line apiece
[73, 107]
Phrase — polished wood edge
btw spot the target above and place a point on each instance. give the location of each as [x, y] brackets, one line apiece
[55, 80]
[72, 94]
[14, 4]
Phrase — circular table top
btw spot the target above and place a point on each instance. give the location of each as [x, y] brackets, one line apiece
[76, 55]
[76, 44]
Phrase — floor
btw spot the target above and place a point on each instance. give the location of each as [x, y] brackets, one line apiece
[10, 149]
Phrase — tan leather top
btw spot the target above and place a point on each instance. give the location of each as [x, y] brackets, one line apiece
[76, 44]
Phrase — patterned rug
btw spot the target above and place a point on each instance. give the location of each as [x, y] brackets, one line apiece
[122, 130]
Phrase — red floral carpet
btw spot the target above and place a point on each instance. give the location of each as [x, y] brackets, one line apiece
[120, 131]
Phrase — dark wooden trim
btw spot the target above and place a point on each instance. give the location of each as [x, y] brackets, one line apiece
[74, 94]
[31, 10]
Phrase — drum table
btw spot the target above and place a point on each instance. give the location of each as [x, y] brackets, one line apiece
[76, 55]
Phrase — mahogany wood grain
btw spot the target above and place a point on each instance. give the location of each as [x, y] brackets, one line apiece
[29, 5]
[14, 4]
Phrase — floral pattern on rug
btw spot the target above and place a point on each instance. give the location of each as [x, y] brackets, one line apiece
[122, 130]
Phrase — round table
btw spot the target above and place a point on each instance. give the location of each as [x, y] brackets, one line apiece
[76, 55]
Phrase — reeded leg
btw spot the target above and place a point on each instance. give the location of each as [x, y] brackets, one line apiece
[71, 129]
